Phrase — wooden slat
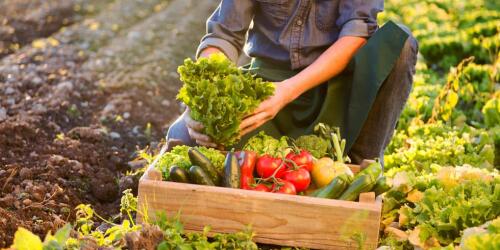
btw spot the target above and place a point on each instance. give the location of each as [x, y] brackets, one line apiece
[275, 218]
[367, 197]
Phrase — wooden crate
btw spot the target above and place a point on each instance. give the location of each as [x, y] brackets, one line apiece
[280, 219]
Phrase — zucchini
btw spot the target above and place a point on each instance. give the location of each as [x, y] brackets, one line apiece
[381, 186]
[199, 176]
[178, 174]
[198, 159]
[359, 185]
[334, 189]
[374, 170]
[231, 171]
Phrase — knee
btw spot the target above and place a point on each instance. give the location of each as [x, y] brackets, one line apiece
[178, 131]
[410, 48]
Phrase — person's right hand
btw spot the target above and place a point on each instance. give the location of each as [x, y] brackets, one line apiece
[194, 130]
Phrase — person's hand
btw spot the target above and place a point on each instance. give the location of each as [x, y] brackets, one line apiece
[268, 109]
[194, 129]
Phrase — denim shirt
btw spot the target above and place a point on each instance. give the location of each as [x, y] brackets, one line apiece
[290, 32]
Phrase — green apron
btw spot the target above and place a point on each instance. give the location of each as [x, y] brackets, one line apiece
[345, 100]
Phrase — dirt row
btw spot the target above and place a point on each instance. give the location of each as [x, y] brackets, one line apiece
[76, 106]
[22, 21]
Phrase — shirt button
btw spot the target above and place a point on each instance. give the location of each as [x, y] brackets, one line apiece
[299, 22]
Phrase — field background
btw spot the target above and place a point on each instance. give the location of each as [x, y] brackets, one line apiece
[84, 84]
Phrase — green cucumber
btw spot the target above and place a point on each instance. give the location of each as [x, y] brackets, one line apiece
[374, 170]
[199, 176]
[381, 186]
[360, 184]
[334, 189]
[198, 159]
[178, 174]
[231, 171]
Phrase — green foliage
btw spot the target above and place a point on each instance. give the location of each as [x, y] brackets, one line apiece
[423, 145]
[468, 89]
[437, 207]
[264, 144]
[444, 213]
[178, 156]
[215, 156]
[220, 95]
[128, 204]
[316, 145]
[114, 235]
[491, 111]
[26, 240]
[484, 239]
[449, 32]
[176, 238]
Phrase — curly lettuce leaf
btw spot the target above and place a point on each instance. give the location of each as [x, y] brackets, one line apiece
[264, 144]
[220, 95]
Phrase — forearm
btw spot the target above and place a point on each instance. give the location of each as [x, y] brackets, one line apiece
[209, 50]
[331, 63]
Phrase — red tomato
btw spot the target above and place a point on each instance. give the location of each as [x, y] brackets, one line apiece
[267, 165]
[261, 187]
[303, 159]
[284, 187]
[300, 178]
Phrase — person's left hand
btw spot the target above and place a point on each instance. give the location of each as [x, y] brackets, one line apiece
[268, 109]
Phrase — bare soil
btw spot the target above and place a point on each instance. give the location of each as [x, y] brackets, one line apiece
[75, 107]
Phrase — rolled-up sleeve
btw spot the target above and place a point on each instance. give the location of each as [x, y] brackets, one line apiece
[358, 17]
[227, 27]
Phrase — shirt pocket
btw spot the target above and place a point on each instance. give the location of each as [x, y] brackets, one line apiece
[326, 12]
[276, 10]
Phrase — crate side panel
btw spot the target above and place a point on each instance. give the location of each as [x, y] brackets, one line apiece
[277, 219]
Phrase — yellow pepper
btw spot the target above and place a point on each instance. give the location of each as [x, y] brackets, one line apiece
[325, 169]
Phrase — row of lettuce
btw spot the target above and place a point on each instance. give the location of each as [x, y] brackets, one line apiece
[445, 155]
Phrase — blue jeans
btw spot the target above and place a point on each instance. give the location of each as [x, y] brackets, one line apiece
[179, 131]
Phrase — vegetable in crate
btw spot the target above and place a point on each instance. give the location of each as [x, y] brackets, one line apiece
[326, 169]
[335, 188]
[298, 164]
[220, 95]
[283, 187]
[178, 174]
[231, 171]
[314, 144]
[302, 159]
[263, 144]
[268, 166]
[199, 176]
[178, 156]
[299, 177]
[364, 181]
[246, 160]
[198, 159]
[261, 188]
[381, 186]
[360, 185]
